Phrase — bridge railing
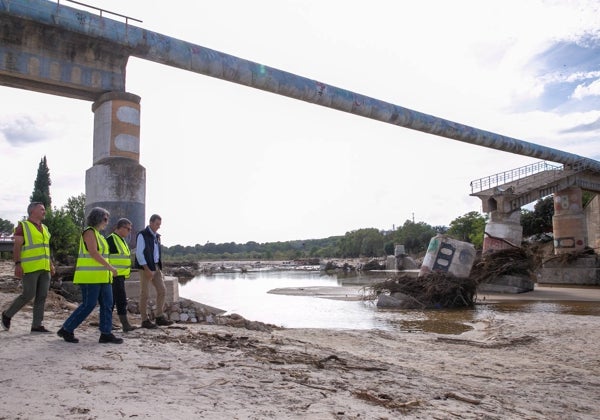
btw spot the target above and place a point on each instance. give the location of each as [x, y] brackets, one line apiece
[127, 18]
[512, 175]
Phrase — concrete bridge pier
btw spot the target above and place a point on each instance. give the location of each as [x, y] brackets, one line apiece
[503, 231]
[570, 235]
[569, 224]
[117, 181]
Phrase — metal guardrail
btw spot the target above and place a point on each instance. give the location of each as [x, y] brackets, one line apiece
[127, 18]
[512, 175]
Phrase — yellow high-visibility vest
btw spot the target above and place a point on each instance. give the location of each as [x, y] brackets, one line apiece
[87, 269]
[35, 252]
[122, 259]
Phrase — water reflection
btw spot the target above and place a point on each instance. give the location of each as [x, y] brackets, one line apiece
[247, 295]
[555, 307]
[450, 321]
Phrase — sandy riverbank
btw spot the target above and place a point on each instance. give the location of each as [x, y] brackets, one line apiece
[509, 366]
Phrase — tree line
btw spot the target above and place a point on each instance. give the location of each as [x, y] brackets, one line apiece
[67, 222]
[367, 242]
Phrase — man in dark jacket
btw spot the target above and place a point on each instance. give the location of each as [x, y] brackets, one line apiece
[148, 260]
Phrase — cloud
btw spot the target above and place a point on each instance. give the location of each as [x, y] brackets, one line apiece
[22, 130]
[585, 90]
[570, 76]
[584, 128]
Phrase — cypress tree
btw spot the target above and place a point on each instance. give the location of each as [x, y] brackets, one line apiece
[41, 186]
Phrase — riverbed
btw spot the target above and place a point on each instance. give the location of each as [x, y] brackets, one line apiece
[304, 299]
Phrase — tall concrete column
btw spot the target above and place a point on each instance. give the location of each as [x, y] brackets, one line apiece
[503, 231]
[117, 181]
[568, 223]
[592, 218]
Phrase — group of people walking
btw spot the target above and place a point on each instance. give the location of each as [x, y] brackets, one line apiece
[102, 267]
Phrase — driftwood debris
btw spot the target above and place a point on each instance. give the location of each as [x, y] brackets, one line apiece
[384, 400]
[498, 343]
[442, 290]
[434, 290]
[96, 367]
[154, 367]
[523, 261]
[321, 364]
[570, 257]
[512, 261]
[460, 397]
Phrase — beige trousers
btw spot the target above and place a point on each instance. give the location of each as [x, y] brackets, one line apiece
[159, 284]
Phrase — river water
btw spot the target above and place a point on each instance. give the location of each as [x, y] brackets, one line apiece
[247, 295]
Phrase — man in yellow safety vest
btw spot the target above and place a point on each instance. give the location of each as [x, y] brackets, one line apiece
[31, 254]
[120, 258]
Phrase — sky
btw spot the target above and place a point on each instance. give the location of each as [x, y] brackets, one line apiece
[229, 163]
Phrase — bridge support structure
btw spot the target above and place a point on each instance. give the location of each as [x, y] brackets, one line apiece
[569, 225]
[503, 231]
[117, 181]
[571, 235]
[592, 221]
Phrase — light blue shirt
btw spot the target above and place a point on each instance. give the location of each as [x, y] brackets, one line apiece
[141, 245]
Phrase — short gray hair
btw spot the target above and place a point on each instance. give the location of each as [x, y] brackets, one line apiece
[96, 216]
[33, 205]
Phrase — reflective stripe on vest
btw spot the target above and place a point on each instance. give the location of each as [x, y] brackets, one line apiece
[87, 269]
[35, 252]
[122, 259]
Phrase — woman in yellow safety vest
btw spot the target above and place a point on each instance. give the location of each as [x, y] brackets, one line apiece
[93, 273]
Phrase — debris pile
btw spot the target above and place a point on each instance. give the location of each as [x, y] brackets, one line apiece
[432, 291]
[570, 257]
[505, 262]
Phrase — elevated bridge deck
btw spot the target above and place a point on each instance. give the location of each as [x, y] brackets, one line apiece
[519, 187]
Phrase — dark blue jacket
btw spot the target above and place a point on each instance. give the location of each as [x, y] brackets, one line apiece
[149, 249]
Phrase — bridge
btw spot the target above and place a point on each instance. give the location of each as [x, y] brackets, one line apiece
[530, 183]
[49, 47]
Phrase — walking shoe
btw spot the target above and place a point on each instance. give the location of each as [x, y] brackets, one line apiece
[125, 323]
[5, 322]
[110, 338]
[127, 328]
[69, 337]
[148, 324]
[40, 329]
[162, 320]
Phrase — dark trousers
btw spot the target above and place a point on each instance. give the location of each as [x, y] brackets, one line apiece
[119, 295]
